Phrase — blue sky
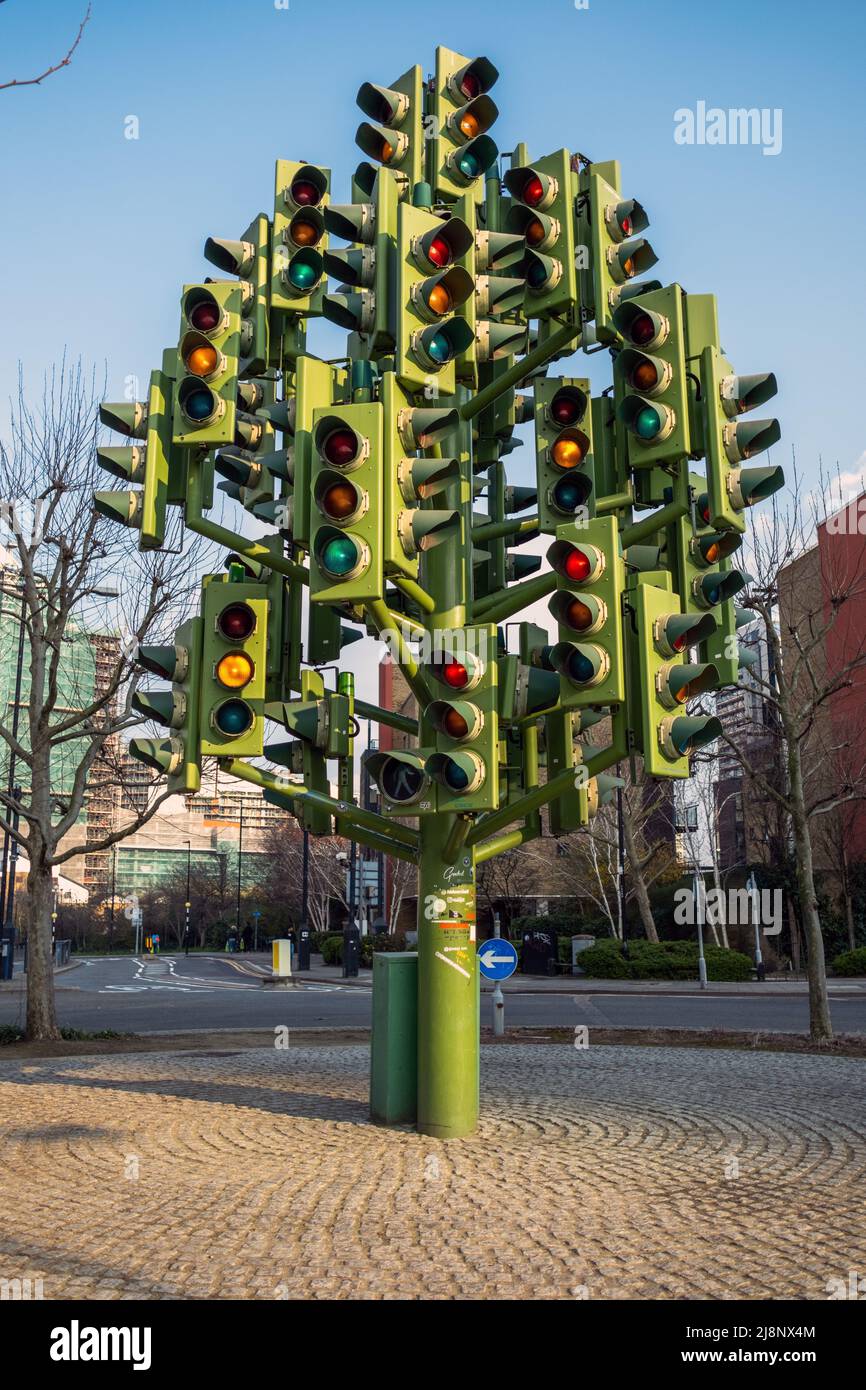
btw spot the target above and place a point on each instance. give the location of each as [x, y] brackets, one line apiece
[99, 232]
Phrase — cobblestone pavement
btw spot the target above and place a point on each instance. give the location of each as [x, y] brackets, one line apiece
[606, 1173]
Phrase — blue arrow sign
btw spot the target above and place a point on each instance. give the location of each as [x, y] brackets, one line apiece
[497, 958]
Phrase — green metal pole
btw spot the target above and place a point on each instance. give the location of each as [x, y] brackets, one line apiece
[448, 987]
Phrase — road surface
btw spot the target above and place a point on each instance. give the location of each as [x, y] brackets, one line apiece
[173, 992]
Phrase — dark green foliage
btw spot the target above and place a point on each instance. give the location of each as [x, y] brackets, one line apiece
[850, 962]
[663, 960]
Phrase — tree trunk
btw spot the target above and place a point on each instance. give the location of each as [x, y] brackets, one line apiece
[820, 1027]
[640, 888]
[41, 1011]
[849, 921]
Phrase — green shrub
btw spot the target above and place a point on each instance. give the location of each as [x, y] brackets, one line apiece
[851, 962]
[605, 961]
[332, 950]
[662, 960]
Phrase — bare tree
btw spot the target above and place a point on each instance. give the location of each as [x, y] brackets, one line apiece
[69, 576]
[401, 877]
[806, 596]
[55, 67]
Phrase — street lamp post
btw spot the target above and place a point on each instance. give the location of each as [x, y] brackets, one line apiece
[187, 903]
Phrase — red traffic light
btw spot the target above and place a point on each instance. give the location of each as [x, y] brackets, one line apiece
[305, 193]
[532, 191]
[455, 674]
[642, 329]
[237, 622]
[577, 565]
[340, 448]
[206, 315]
[439, 252]
[568, 406]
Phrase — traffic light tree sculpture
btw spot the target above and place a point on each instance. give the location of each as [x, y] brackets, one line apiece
[381, 480]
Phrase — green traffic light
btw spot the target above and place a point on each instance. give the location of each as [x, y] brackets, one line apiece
[647, 422]
[340, 556]
[305, 271]
[233, 718]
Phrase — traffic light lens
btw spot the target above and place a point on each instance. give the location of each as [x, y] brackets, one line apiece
[340, 448]
[234, 670]
[303, 232]
[439, 301]
[579, 615]
[713, 553]
[234, 717]
[533, 191]
[205, 316]
[642, 329]
[470, 125]
[578, 565]
[470, 85]
[302, 274]
[305, 193]
[580, 668]
[439, 348]
[401, 781]
[456, 778]
[454, 725]
[565, 409]
[199, 405]
[340, 556]
[469, 165]
[536, 275]
[647, 423]
[439, 252]
[535, 232]
[568, 495]
[202, 361]
[339, 501]
[455, 674]
[237, 622]
[625, 225]
[567, 452]
[387, 152]
[645, 376]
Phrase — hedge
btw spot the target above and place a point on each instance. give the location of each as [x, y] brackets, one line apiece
[332, 947]
[662, 960]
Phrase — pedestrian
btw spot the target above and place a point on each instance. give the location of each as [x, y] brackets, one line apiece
[248, 937]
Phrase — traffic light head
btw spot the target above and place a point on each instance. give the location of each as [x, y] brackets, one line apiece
[346, 546]
[563, 450]
[619, 253]
[463, 113]
[402, 779]
[543, 213]
[650, 374]
[588, 608]
[430, 288]
[208, 361]
[298, 237]
[235, 664]
[729, 443]
[178, 757]
[464, 720]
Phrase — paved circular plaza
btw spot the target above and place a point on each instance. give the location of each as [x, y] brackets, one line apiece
[610, 1172]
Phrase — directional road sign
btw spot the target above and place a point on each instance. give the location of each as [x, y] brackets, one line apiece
[497, 958]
